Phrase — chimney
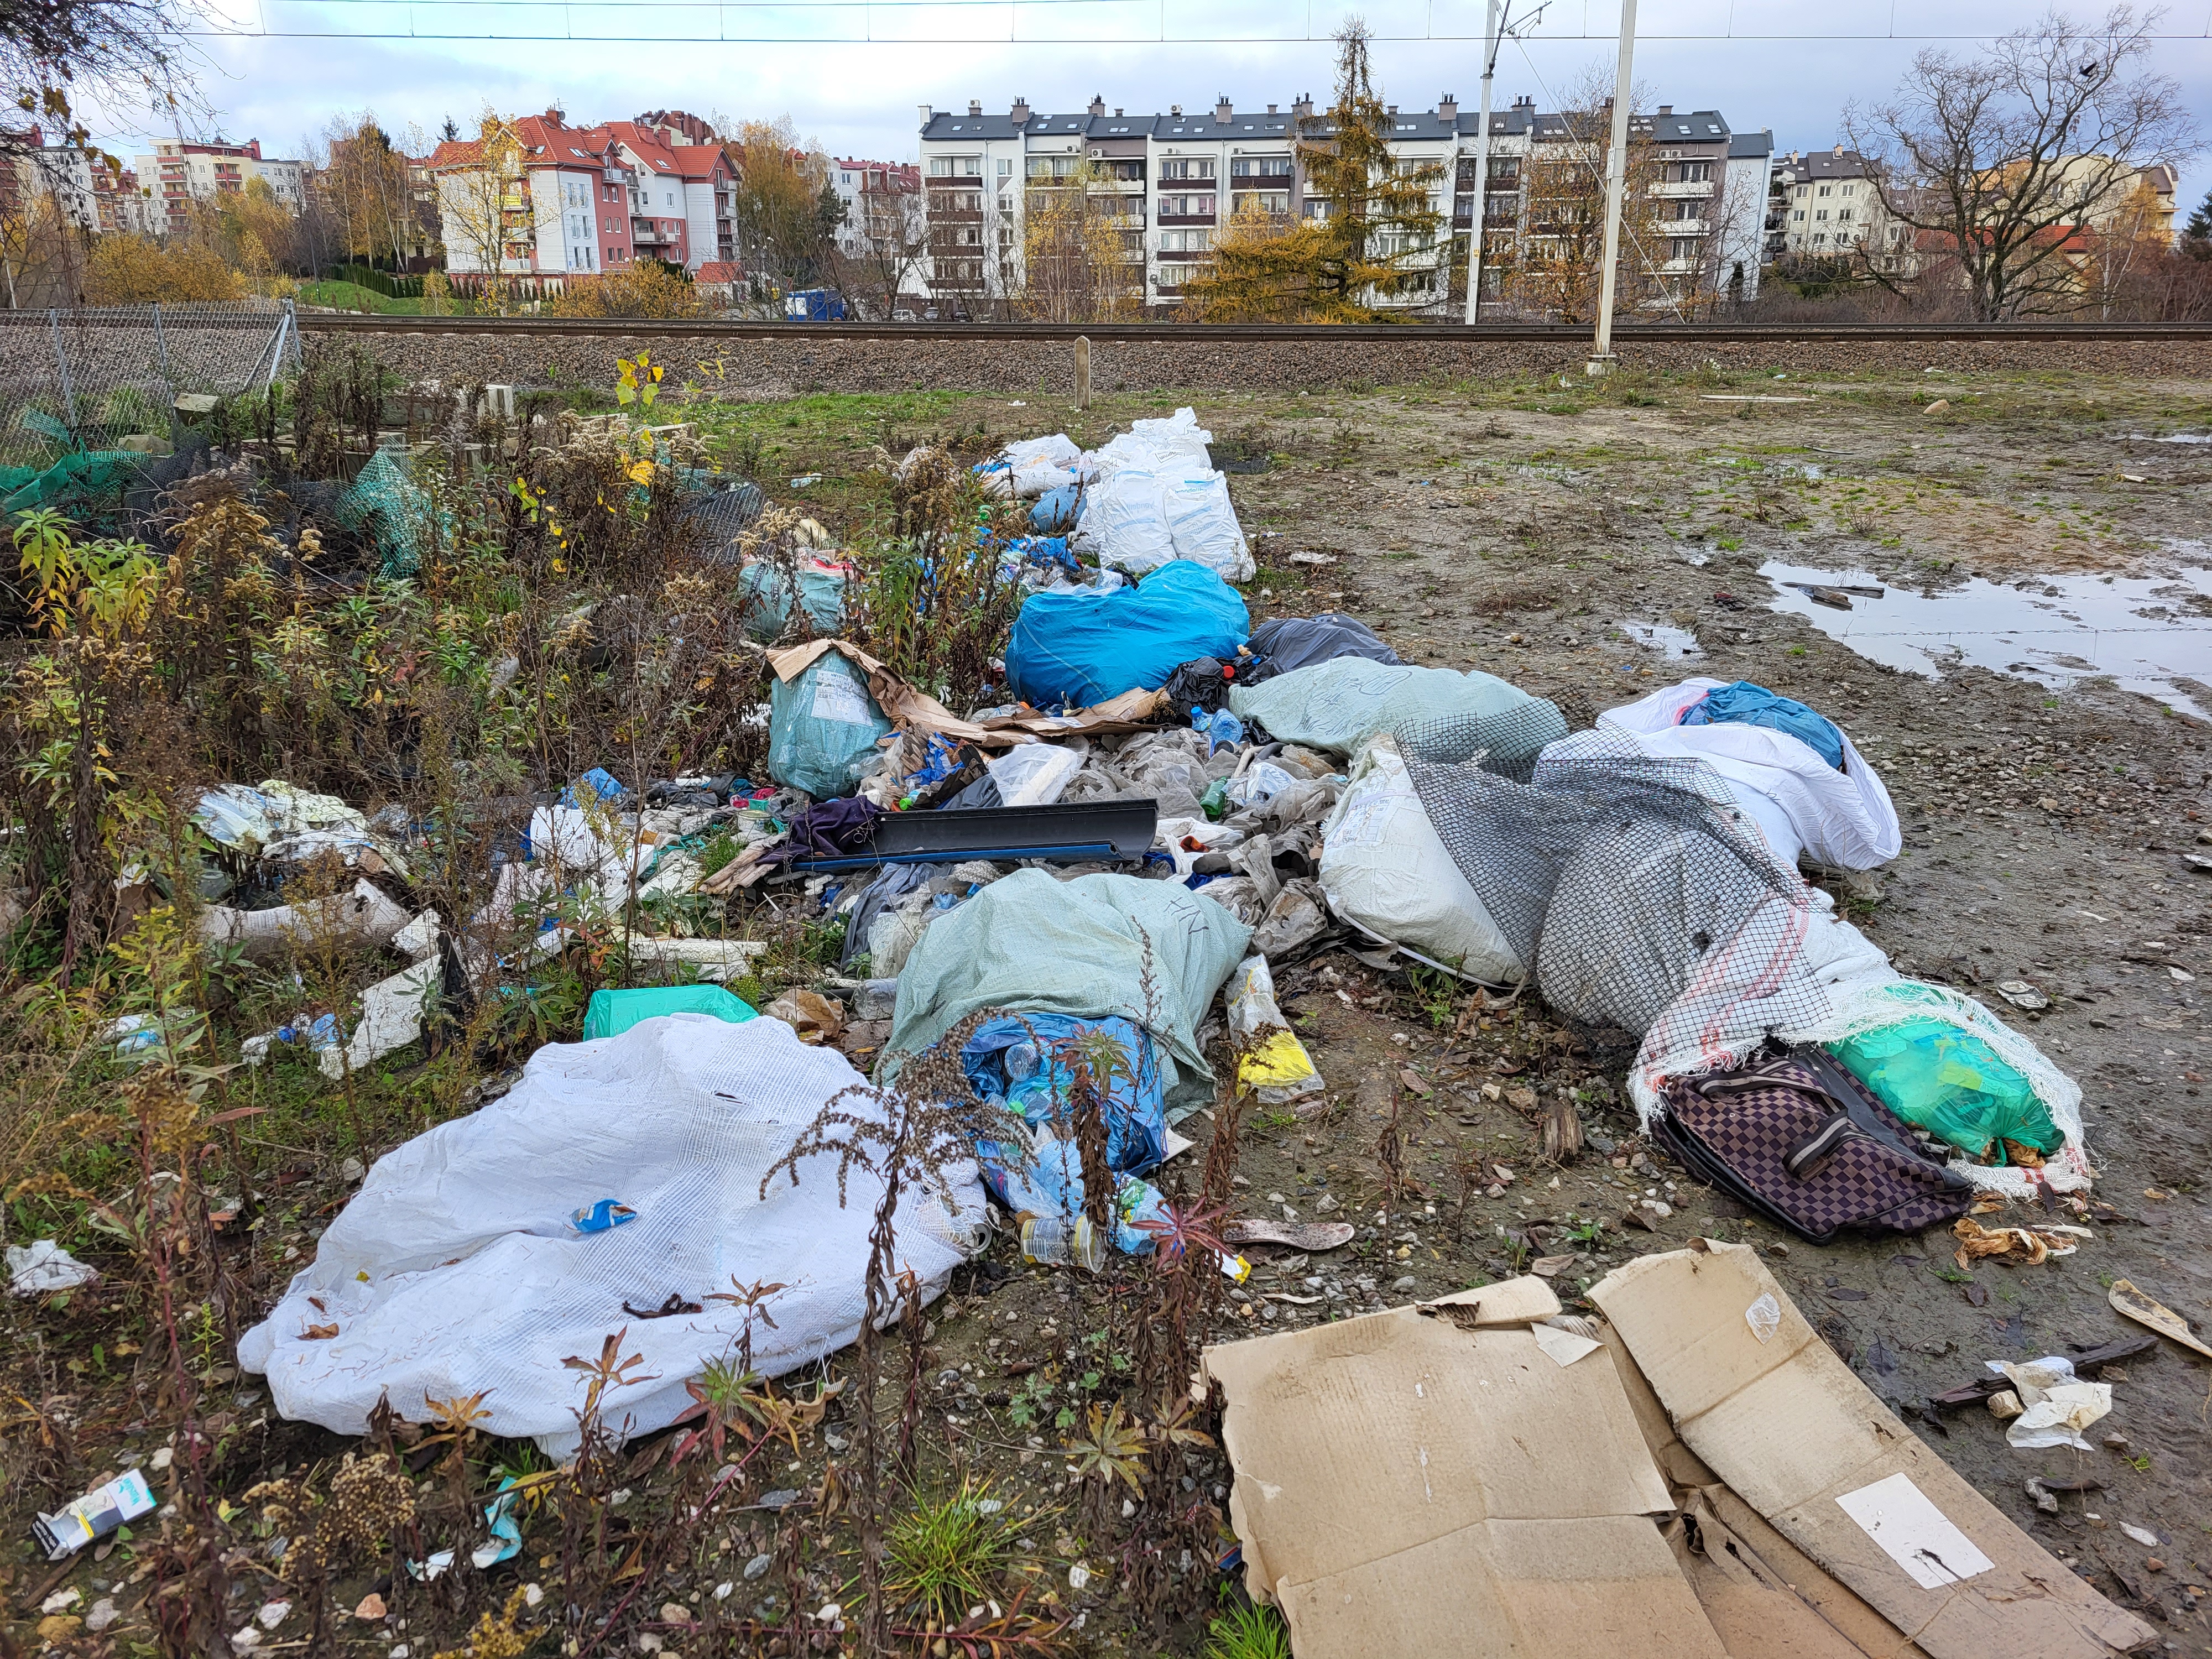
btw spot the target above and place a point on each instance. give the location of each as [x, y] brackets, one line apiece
[975, 106]
[1020, 113]
[1097, 105]
[1389, 109]
[1666, 109]
[1838, 152]
[1302, 106]
[1448, 110]
[925, 113]
[1270, 109]
[1222, 110]
[1117, 109]
[555, 114]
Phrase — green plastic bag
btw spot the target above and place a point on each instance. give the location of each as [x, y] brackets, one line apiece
[823, 727]
[610, 1014]
[1950, 1083]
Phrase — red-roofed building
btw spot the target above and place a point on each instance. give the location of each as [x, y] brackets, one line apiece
[579, 201]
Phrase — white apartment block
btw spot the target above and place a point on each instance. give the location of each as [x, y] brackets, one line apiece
[178, 174]
[1181, 177]
[1823, 206]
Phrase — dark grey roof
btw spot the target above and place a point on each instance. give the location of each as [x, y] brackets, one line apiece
[1750, 146]
[1700, 126]
[944, 125]
[1503, 123]
[1825, 164]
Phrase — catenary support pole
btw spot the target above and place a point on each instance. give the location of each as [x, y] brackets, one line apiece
[1481, 168]
[1616, 181]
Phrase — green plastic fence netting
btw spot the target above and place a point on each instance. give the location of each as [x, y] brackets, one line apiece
[387, 507]
[74, 479]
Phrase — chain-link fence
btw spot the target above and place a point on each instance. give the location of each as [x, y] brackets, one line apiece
[103, 381]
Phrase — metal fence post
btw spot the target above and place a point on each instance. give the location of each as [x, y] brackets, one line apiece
[61, 369]
[168, 387]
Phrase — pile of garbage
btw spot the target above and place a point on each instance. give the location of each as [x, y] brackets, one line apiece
[1168, 806]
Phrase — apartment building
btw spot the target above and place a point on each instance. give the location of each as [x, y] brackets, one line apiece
[579, 201]
[87, 191]
[176, 174]
[1823, 206]
[877, 196]
[1178, 179]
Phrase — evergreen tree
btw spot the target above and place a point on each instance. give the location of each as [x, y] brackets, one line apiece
[2196, 234]
[1370, 233]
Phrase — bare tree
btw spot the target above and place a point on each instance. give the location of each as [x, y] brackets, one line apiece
[882, 256]
[2006, 158]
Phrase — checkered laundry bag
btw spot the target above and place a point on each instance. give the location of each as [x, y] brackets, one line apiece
[1797, 1138]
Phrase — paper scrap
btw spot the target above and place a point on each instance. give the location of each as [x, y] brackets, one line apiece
[1913, 1532]
[1764, 1316]
[1562, 1348]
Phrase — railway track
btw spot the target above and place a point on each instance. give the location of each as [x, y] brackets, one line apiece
[327, 322]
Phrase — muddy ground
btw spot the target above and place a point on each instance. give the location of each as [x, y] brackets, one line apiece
[1512, 528]
[2047, 840]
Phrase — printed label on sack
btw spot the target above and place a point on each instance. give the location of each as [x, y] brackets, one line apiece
[836, 698]
[1764, 1316]
[1366, 820]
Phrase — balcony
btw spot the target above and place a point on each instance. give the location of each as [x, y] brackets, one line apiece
[1683, 226]
[1693, 188]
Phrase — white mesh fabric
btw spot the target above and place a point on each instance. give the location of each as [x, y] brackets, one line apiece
[455, 1268]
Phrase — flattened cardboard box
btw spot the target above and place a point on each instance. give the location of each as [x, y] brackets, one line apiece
[1408, 1484]
[1759, 1397]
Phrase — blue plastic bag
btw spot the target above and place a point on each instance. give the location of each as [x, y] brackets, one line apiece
[823, 727]
[1075, 649]
[1746, 704]
[1056, 512]
[1046, 1179]
[1026, 1061]
[598, 785]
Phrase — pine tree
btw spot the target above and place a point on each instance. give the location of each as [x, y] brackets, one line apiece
[1371, 230]
[2196, 234]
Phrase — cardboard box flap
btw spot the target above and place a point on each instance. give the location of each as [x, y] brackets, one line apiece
[1522, 1301]
[1510, 1590]
[1357, 1440]
[1782, 1420]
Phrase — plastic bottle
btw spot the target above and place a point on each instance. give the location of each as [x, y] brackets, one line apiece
[1056, 1241]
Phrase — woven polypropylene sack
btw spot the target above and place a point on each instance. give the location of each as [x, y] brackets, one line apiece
[1097, 947]
[456, 1270]
[1338, 705]
[823, 727]
[1078, 648]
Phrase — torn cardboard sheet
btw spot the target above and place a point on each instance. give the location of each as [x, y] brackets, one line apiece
[1800, 1440]
[1427, 1480]
[1766, 1599]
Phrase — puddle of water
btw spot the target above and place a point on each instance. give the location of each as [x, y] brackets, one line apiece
[1679, 644]
[2148, 633]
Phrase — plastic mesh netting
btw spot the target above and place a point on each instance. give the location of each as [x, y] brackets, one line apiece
[1616, 876]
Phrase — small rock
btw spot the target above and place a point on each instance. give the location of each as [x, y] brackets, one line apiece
[272, 1613]
[647, 1642]
[533, 1596]
[1078, 1576]
[757, 1566]
[162, 1457]
[351, 1169]
[1408, 1282]
[103, 1612]
[2143, 1536]
[675, 1613]
[2116, 1443]
[831, 1613]
[1601, 1145]
[782, 1498]
[1937, 407]
[246, 1640]
[2154, 1563]
[722, 1590]
[62, 1600]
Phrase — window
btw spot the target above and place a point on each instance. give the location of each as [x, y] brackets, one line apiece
[1844, 216]
[1850, 189]
[1820, 239]
[1186, 241]
[1689, 172]
[1260, 166]
[1683, 248]
[1798, 217]
[1044, 169]
[1192, 167]
[1006, 166]
[1187, 207]
[1822, 216]
[1800, 192]
[956, 166]
[1269, 201]
[1824, 189]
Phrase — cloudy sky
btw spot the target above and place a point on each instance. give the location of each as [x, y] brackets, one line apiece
[851, 72]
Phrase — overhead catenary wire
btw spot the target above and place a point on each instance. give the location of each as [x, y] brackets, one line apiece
[427, 23]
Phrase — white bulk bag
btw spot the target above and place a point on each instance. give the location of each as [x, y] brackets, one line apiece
[1385, 869]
